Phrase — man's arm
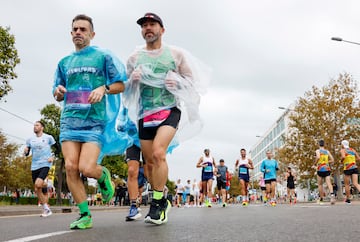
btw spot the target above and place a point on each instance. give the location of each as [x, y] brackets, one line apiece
[342, 155]
[317, 157]
[199, 164]
[251, 165]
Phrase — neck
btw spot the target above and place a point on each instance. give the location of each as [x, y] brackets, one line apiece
[39, 134]
[153, 45]
[80, 47]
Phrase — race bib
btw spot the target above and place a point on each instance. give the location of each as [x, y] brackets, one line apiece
[208, 169]
[156, 119]
[78, 99]
[243, 170]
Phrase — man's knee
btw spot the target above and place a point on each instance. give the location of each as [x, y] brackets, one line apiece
[159, 155]
[133, 172]
[39, 184]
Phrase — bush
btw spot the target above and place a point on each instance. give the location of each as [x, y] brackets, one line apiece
[5, 200]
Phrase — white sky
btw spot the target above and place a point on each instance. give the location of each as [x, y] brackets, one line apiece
[264, 54]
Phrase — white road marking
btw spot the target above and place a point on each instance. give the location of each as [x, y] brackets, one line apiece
[40, 236]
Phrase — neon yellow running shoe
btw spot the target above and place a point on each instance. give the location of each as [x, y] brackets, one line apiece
[106, 186]
[83, 222]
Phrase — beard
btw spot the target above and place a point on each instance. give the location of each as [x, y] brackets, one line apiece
[151, 39]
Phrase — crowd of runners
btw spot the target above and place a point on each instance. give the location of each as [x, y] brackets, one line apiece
[160, 87]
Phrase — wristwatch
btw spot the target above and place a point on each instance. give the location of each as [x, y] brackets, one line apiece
[107, 89]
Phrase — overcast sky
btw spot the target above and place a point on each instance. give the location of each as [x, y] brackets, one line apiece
[264, 54]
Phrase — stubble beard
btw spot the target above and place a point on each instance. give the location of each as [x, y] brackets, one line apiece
[152, 39]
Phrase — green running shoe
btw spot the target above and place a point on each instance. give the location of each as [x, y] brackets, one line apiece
[106, 186]
[83, 222]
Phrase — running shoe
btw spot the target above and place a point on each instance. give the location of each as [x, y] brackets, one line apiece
[133, 214]
[206, 203]
[158, 213]
[83, 222]
[332, 199]
[46, 213]
[347, 201]
[209, 205]
[106, 186]
[245, 203]
[273, 203]
[224, 205]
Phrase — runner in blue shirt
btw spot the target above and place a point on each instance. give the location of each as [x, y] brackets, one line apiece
[269, 167]
[42, 158]
[89, 82]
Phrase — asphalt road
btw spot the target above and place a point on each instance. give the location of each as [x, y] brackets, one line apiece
[302, 222]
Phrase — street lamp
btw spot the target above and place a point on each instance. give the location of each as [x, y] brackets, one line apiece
[340, 39]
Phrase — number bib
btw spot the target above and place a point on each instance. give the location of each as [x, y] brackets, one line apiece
[78, 99]
[243, 170]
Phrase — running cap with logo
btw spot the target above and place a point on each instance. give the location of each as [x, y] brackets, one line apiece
[150, 16]
[345, 143]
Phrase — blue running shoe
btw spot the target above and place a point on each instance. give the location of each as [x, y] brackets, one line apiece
[133, 214]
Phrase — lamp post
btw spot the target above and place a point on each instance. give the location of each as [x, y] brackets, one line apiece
[340, 39]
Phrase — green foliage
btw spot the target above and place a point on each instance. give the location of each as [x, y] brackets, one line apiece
[235, 185]
[171, 186]
[6, 200]
[116, 165]
[8, 60]
[323, 113]
[14, 170]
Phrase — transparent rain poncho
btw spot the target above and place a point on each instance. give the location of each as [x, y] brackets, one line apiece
[188, 78]
[116, 140]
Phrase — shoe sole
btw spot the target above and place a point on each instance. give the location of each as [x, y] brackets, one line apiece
[149, 220]
[85, 227]
[111, 195]
[44, 215]
[137, 216]
[79, 226]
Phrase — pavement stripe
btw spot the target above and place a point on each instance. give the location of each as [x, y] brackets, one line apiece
[40, 236]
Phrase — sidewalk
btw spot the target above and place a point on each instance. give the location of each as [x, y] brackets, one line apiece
[13, 210]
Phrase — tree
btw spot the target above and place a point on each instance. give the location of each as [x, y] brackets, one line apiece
[323, 113]
[8, 60]
[14, 170]
[116, 165]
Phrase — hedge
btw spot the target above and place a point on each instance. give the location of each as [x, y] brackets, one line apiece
[5, 200]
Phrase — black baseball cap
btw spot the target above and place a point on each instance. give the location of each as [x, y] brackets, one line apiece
[321, 142]
[150, 16]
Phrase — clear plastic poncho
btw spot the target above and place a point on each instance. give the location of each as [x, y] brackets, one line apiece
[189, 79]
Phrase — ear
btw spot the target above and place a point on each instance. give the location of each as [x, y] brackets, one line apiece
[92, 35]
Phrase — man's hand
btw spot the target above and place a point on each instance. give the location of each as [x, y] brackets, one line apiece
[50, 159]
[97, 94]
[171, 85]
[136, 75]
[59, 93]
